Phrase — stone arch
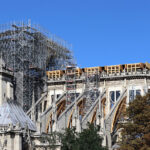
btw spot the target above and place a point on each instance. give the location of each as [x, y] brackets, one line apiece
[93, 118]
[103, 106]
[61, 107]
[70, 118]
[121, 108]
[49, 123]
[80, 105]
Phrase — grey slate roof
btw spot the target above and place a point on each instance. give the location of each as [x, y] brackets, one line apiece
[11, 112]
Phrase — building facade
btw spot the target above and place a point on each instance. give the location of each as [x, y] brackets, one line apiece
[98, 95]
[74, 97]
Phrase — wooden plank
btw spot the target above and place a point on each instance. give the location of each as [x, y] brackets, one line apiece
[93, 70]
[134, 67]
[147, 65]
[55, 74]
[113, 69]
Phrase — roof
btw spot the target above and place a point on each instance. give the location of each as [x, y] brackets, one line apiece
[11, 112]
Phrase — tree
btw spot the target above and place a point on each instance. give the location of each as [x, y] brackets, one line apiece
[51, 140]
[136, 129]
[88, 139]
[69, 139]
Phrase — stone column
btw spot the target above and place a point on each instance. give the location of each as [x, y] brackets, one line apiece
[18, 142]
[10, 142]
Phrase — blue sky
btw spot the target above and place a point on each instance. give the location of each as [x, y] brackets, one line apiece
[102, 32]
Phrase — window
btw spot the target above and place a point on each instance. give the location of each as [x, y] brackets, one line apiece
[36, 113]
[41, 108]
[117, 94]
[133, 94]
[138, 92]
[77, 94]
[45, 104]
[72, 96]
[52, 98]
[114, 96]
[58, 95]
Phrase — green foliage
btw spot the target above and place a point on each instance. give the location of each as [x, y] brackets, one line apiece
[136, 130]
[88, 139]
[51, 139]
[69, 139]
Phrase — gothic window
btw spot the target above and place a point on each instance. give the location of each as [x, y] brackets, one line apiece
[138, 92]
[133, 94]
[114, 96]
[58, 95]
[45, 105]
[77, 94]
[36, 113]
[52, 98]
[117, 94]
[40, 107]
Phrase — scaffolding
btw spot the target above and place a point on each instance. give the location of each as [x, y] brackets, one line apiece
[28, 51]
[91, 87]
[70, 84]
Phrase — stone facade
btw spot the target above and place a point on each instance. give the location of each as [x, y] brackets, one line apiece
[100, 101]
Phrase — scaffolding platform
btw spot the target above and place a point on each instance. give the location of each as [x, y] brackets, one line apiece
[93, 70]
[54, 74]
[113, 69]
[134, 67]
[78, 72]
